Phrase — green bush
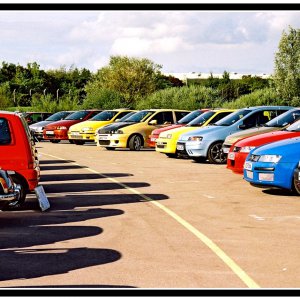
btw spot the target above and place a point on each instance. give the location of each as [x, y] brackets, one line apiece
[187, 97]
[266, 96]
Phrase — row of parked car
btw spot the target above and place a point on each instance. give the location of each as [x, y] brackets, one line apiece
[234, 137]
[258, 142]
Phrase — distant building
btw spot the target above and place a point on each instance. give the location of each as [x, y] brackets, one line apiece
[198, 75]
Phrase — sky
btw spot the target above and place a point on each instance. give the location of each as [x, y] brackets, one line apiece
[180, 41]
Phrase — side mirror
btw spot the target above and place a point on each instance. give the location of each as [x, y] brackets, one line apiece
[153, 122]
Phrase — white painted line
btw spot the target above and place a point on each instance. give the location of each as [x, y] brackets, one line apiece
[245, 278]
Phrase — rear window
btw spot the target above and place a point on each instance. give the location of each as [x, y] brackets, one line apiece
[5, 135]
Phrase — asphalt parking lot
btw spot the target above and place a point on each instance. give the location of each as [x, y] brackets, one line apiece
[125, 219]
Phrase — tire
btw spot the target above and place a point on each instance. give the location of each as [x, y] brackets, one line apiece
[215, 154]
[23, 192]
[295, 186]
[135, 143]
[71, 141]
[79, 142]
[110, 148]
[55, 141]
[172, 155]
[199, 159]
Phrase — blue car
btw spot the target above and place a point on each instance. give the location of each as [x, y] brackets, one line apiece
[206, 143]
[274, 165]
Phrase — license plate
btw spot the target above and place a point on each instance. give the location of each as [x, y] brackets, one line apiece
[248, 166]
[103, 137]
[225, 150]
[153, 139]
[249, 174]
[49, 132]
[180, 147]
[266, 176]
[231, 155]
[75, 133]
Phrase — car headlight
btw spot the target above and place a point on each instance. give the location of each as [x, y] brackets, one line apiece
[87, 129]
[119, 131]
[169, 136]
[270, 158]
[247, 149]
[61, 128]
[195, 138]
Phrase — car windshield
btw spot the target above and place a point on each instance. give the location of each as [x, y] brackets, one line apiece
[189, 117]
[127, 116]
[284, 119]
[78, 115]
[233, 117]
[200, 120]
[106, 115]
[58, 116]
[140, 116]
[294, 127]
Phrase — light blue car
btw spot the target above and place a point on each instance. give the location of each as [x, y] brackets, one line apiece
[206, 143]
[274, 165]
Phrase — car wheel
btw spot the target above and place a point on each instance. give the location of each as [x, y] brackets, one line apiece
[110, 148]
[55, 141]
[215, 153]
[172, 155]
[199, 159]
[23, 191]
[79, 142]
[135, 143]
[296, 186]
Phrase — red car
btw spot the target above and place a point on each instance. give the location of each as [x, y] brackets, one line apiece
[18, 153]
[58, 131]
[240, 149]
[183, 121]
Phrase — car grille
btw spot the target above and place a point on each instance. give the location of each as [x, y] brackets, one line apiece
[104, 143]
[237, 149]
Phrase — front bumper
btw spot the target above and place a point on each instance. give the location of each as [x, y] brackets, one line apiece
[165, 145]
[235, 161]
[112, 140]
[196, 149]
[56, 134]
[82, 136]
[264, 174]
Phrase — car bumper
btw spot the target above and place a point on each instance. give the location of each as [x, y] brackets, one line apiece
[55, 135]
[196, 149]
[90, 136]
[165, 146]
[113, 140]
[235, 161]
[270, 174]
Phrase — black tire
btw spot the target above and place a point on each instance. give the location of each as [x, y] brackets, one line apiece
[79, 142]
[172, 155]
[23, 192]
[199, 159]
[296, 186]
[135, 143]
[71, 141]
[215, 153]
[110, 148]
[55, 141]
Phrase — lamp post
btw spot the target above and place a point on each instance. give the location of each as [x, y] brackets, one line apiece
[14, 93]
[44, 92]
[57, 94]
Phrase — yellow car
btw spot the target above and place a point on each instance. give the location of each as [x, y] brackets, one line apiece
[134, 132]
[85, 131]
[167, 140]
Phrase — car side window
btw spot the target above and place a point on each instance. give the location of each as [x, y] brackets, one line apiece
[220, 116]
[164, 118]
[180, 114]
[5, 135]
[122, 114]
[258, 118]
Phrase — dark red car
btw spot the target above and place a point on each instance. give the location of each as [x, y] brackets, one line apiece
[240, 149]
[58, 131]
[183, 121]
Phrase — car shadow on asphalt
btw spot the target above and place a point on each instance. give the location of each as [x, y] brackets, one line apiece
[64, 177]
[279, 192]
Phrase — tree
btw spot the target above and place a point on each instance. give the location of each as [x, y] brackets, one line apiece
[132, 78]
[287, 66]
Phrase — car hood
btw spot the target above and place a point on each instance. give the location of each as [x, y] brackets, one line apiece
[113, 127]
[159, 130]
[248, 132]
[288, 149]
[66, 123]
[220, 131]
[40, 124]
[266, 138]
